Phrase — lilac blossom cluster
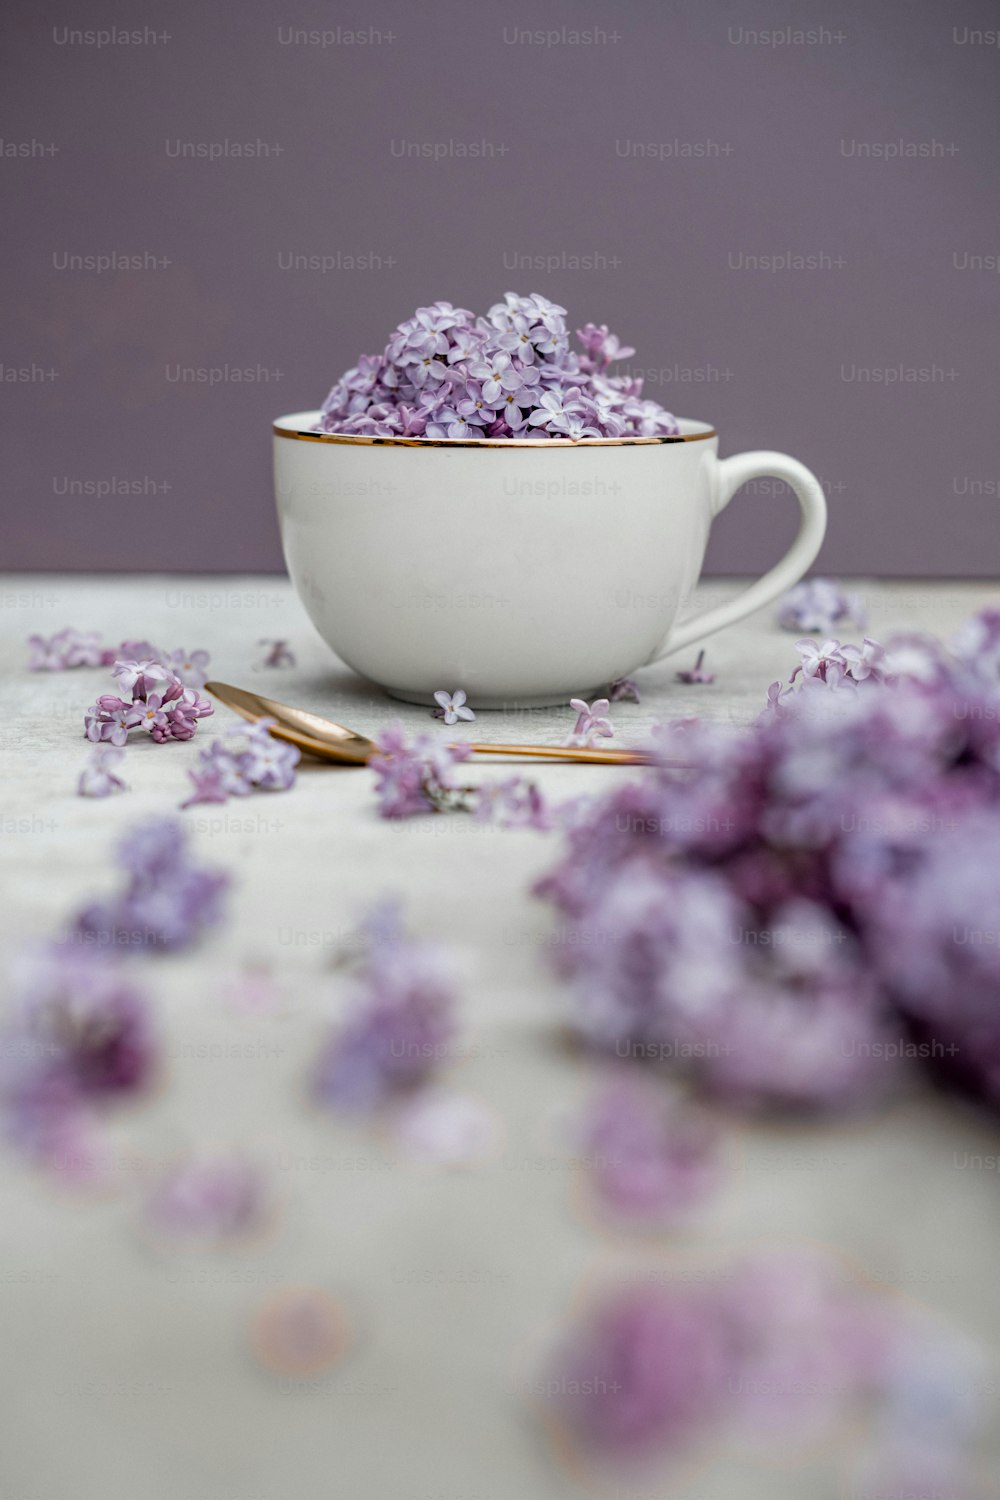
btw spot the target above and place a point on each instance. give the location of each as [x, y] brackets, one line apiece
[446, 373]
[654, 1158]
[157, 702]
[79, 1036]
[820, 605]
[71, 648]
[246, 759]
[415, 777]
[208, 1199]
[828, 666]
[779, 1349]
[402, 1024]
[98, 778]
[815, 903]
[167, 902]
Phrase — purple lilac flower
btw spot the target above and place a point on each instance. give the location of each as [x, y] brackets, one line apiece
[864, 662]
[514, 803]
[497, 374]
[623, 688]
[820, 605]
[643, 1374]
[591, 719]
[208, 1199]
[446, 1129]
[97, 779]
[452, 424]
[446, 374]
[75, 648]
[556, 409]
[932, 918]
[977, 643]
[190, 667]
[452, 706]
[79, 1036]
[109, 720]
[247, 758]
[774, 1350]
[697, 673]
[798, 917]
[832, 667]
[132, 651]
[418, 777]
[823, 661]
[401, 1027]
[210, 785]
[777, 693]
[474, 407]
[67, 648]
[653, 1158]
[601, 347]
[167, 902]
[517, 803]
[154, 699]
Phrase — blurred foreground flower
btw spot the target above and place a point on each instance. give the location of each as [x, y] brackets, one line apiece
[402, 1024]
[278, 654]
[820, 605]
[66, 649]
[776, 1352]
[809, 910]
[97, 779]
[71, 648]
[653, 1158]
[79, 1037]
[208, 1200]
[167, 902]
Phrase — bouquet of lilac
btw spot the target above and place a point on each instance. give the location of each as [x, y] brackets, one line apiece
[158, 702]
[448, 374]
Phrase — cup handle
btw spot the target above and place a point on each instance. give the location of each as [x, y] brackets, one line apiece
[731, 475]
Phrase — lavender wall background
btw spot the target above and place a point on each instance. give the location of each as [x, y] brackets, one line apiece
[647, 167]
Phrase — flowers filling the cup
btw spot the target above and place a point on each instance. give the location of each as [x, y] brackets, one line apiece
[446, 373]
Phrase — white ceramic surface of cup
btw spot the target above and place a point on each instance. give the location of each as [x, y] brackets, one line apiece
[526, 572]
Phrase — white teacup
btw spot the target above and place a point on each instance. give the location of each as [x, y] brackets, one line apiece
[525, 571]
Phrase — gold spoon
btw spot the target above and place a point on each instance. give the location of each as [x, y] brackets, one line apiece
[329, 741]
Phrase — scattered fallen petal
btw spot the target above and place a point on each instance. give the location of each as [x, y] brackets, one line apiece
[209, 1200]
[696, 674]
[97, 779]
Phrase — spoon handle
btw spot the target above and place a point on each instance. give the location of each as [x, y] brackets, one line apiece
[568, 752]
